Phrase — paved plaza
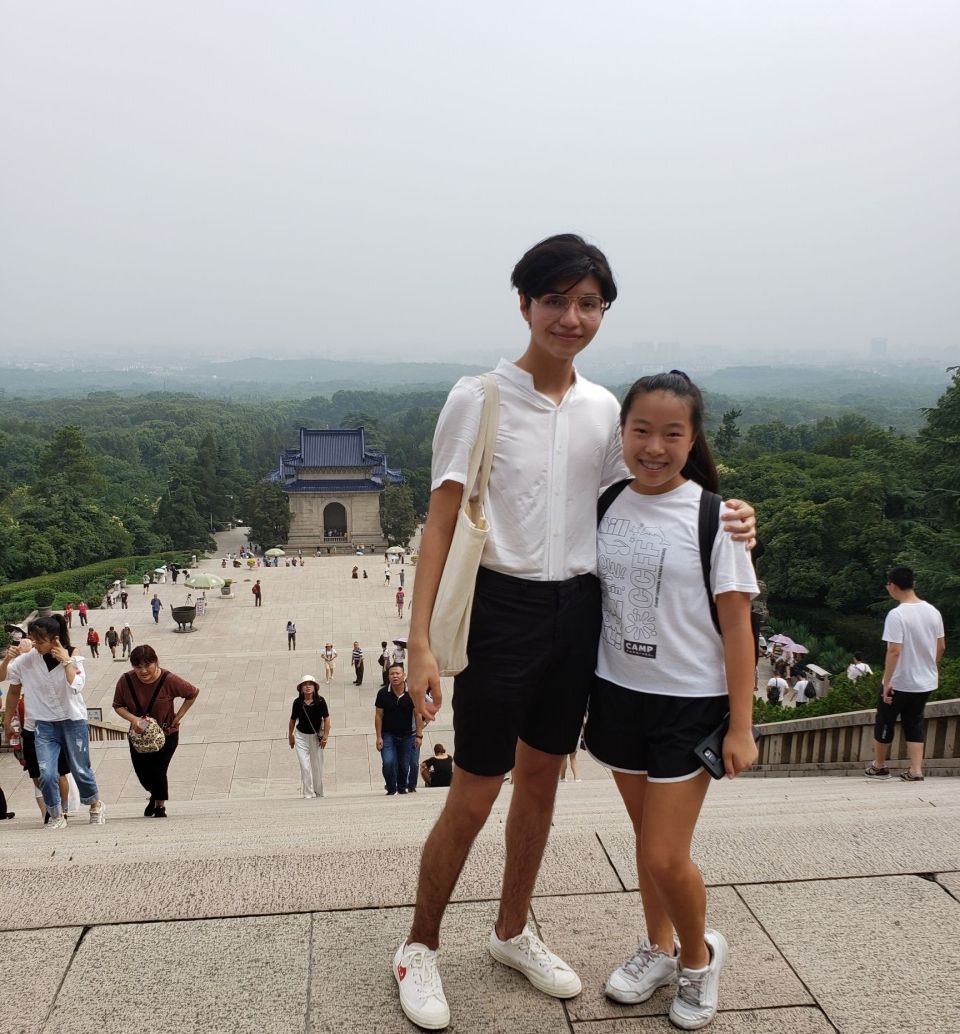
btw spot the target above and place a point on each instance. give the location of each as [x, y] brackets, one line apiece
[252, 910]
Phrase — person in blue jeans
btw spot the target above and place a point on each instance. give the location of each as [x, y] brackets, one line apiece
[399, 732]
[52, 677]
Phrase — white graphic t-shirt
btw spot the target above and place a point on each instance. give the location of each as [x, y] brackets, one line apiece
[658, 635]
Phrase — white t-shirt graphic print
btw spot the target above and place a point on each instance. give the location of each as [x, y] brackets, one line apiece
[657, 635]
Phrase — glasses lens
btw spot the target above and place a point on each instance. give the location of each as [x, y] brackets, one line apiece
[590, 306]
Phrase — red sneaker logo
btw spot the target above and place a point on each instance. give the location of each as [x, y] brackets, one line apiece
[401, 971]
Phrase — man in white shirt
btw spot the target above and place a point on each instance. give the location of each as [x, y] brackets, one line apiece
[913, 632]
[776, 688]
[536, 617]
[857, 668]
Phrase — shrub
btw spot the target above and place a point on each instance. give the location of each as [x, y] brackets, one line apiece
[44, 597]
[63, 598]
[119, 572]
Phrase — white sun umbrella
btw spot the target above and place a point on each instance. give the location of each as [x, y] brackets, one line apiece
[204, 581]
[159, 570]
[396, 549]
[276, 551]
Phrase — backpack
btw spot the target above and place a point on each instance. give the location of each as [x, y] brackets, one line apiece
[773, 694]
[809, 691]
[708, 524]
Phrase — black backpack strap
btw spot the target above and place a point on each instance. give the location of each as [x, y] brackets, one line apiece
[608, 495]
[707, 527]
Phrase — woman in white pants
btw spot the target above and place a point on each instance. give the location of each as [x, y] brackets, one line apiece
[308, 733]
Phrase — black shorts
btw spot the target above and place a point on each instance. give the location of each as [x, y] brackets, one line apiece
[906, 706]
[29, 740]
[649, 733]
[532, 651]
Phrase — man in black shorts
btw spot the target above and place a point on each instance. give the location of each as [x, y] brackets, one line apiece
[536, 616]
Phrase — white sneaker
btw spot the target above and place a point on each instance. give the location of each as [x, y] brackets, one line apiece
[636, 980]
[697, 995]
[527, 954]
[421, 992]
[60, 822]
[98, 815]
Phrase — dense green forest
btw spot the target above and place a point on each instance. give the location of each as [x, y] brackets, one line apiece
[839, 498]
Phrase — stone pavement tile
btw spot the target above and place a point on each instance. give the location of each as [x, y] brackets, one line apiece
[248, 788]
[33, 963]
[353, 952]
[255, 747]
[596, 933]
[237, 975]
[756, 1021]
[314, 873]
[252, 766]
[796, 847]
[213, 780]
[880, 955]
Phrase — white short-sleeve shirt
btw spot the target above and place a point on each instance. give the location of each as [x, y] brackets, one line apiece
[550, 462]
[916, 627]
[658, 635]
[47, 696]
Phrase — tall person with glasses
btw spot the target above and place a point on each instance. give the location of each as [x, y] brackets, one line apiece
[520, 702]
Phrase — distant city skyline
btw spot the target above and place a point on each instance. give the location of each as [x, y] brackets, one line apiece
[227, 179]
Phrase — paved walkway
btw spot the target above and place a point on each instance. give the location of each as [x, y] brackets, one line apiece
[251, 911]
[234, 740]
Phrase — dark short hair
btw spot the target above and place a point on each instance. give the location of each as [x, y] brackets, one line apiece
[438, 748]
[901, 577]
[395, 664]
[143, 655]
[559, 262]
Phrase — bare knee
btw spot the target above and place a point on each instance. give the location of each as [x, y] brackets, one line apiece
[469, 803]
[666, 866]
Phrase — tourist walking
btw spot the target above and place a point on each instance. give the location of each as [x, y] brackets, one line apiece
[257, 593]
[148, 692]
[291, 636]
[329, 657]
[384, 661]
[146, 584]
[399, 731]
[112, 639]
[93, 641]
[124, 597]
[356, 658]
[82, 611]
[308, 733]
[126, 640]
[155, 606]
[52, 678]
[398, 599]
[68, 614]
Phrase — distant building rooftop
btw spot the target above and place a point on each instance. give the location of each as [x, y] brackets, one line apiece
[341, 449]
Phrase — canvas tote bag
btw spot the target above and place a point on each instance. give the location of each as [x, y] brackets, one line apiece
[450, 623]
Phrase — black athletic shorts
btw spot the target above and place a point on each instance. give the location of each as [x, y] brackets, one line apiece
[29, 740]
[532, 654]
[909, 708]
[649, 734]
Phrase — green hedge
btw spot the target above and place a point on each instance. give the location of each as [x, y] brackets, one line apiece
[17, 599]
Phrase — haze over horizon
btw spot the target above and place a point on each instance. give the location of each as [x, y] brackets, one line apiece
[228, 179]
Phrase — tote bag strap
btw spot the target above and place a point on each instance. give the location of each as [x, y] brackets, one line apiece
[481, 456]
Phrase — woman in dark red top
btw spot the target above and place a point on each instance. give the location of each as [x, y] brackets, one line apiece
[131, 700]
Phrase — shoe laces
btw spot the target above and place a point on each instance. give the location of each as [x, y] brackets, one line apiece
[535, 950]
[642, 959]
[423, 963]
[691, 988]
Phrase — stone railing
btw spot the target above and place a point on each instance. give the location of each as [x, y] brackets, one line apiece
[841, 743]
[101, 731]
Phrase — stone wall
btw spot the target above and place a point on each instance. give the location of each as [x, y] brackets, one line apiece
[307, 523]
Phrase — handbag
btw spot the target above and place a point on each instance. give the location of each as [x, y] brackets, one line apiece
[450, 621]
[153, 737]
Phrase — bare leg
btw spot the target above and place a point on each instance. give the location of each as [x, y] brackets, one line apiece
[670, 813]
[64, 793]
[915, 754]
[535, 778]
[39, 800]
[881, 751]
[468, 804]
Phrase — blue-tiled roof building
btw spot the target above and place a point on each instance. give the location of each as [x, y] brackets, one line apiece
[333, 482]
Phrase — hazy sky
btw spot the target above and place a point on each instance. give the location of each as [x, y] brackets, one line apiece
[358, 179]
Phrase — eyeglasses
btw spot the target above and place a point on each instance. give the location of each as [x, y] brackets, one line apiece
[590, 306]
